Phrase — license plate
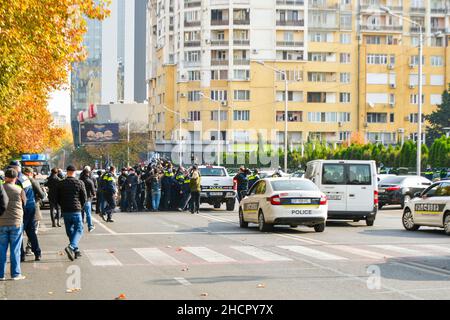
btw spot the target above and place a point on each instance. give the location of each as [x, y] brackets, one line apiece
[215, 193]
[301, 212]
[334, 197]
[301, 201]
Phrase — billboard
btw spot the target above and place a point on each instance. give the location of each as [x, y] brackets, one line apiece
[92, 133]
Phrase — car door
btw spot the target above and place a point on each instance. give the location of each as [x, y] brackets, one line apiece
[250, 203]
[427, 209]
[360, 188]
[333, 184]
[441, 198]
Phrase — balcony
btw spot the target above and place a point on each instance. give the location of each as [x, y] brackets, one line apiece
[188, 64]
[192, 4]
[289, 44]
[290, 23]
[188, 24]
[415, 29]
[371, 7]
[241, 62]
[219, 62]
[241, 42]
[438, 10]
[242, 22]
[381, 28]
[323, 6]
[223, 22]
[324, 26]
[290, 3]
[437, 29]
[219, 43]
[417, 10]
[192, 43]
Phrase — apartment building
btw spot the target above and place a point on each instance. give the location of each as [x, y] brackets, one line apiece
[351, 69]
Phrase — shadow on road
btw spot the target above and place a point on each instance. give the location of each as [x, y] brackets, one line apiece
[426, 233]
[208, 280]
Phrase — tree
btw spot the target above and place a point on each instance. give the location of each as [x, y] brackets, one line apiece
[39, 40]
[439, 119]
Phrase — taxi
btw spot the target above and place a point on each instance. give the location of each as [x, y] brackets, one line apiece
[429, 208]
[284, 201]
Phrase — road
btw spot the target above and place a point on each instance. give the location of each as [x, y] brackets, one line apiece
[173, 255]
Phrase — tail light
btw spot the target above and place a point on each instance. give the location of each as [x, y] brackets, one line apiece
[375, 197]
[323, 200]
[234, 184]
[396, 188]
[275, 200]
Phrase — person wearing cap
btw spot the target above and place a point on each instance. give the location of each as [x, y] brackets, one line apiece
[89, 185]
[52, 184]
[71, 196]
[33, 225]
[11, 226]
[131, 186]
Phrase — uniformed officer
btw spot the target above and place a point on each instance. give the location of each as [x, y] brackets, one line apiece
[121, 182]
[185, 193]
[177, 190]
[166, 186]
[109, 194]
[253, 178]
[131, 189]
[242, 183]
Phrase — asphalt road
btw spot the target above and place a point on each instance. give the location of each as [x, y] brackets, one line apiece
[173, 255]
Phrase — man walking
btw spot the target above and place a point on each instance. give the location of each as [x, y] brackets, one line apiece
[55, 210]
[11, 225]
[71, 195]
[109, 193]
[85, 177]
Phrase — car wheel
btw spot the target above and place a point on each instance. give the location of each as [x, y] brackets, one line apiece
[319, 227]
[406, 198]
[230, 204]
[447, 223]
[242, 222]
[370, 221]
[262, 225]
[408, 221]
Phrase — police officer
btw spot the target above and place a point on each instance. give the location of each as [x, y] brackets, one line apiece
[429, 173]
[185, 193]
[131, 188]
[166, 186]
[121, 183]
[253, 178]
[109, 193]
[177, 190]
[242, 183]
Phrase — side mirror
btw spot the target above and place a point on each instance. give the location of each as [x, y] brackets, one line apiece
[417, 194]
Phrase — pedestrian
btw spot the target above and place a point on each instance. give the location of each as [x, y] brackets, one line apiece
[194, 184]
[185, 192]
[109, 194]
[11, 225]
[33, 217]
[55, 210]
[60, 174]
[121, 183]
[131, 189]
[253, 178]
[166, 188]
[156, 189]
[99, 203]
[242, 183]
[89, 185]
[146, 178]
[71, 195]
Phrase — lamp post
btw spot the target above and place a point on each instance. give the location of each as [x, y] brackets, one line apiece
[179, 133]
[419, 114]
[283, 73]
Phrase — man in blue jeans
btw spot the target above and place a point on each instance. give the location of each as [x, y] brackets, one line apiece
[11, 230]
[71, 195]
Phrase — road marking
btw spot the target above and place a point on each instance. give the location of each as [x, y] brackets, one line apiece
[361, 252]
[217, 219]
[183, 281]
[434, 247]
[399, 249]
[295, 238]
[103, 226]
[156, 257]
[260, 253]
[312, 253]
[102, 258]
[208, 254]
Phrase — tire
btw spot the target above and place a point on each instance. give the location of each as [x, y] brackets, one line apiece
[231, 204]
[217, 206]
[242, 222]
[406, 198]
[370, 221]
[447, 223]
[262, 225]
[408, 221]
[319, 227]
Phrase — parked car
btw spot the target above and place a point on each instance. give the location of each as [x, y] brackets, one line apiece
[400, 189]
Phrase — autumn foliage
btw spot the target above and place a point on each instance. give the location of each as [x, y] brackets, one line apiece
[39, 40]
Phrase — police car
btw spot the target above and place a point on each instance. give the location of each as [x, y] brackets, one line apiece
[429, 208]
[284, 201]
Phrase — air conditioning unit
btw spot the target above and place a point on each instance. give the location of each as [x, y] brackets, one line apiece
[366, 124]
[184, 120]
[224, 103]
[340, 124]
[392, 86]
[183, 95]
[390, 66]
[392, 104]
[411, 86]
[407, 118]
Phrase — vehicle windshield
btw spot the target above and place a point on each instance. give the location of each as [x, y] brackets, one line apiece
[392, 180]
[293, 185]
[212, 172]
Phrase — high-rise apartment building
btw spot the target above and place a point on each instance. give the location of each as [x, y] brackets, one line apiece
[352, 69]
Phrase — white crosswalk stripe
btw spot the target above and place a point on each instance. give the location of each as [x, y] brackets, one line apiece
[157, 257]
[401, 250]
[208, 254]
[102, 258]
[435, 248]
[260, 254]
[360, 252]
[312, 253]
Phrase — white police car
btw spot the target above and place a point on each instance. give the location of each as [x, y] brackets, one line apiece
[284, 201]
[429, 208]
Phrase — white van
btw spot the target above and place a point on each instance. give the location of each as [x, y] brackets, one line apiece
[350, 185]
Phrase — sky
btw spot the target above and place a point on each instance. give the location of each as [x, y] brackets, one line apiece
[60, 102]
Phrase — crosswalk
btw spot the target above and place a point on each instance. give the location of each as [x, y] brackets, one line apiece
[235, 254]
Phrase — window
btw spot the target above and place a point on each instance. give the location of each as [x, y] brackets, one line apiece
[293, 116]
[241, 115]
[219, 74]
[194, 75]
[194, 115]
[294, 96]
[344, 58]
[437, 61]
[292, 75]
[296, 185]
[414, 60]
[345, 77]
[242, 95]
[333, 174]
[219, 95]
[373, 117]
[414, 98]
[391, 117]
[373, 40]
[242, 74]
[377, 59]
[359, 174]
[346, 22]
[192, 56]
[344, 97]
[223, 115]
[194, 96]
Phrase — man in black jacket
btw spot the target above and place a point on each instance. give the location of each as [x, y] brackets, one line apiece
[55, 210]
[71, 195]
[85, 177]
[131, 187]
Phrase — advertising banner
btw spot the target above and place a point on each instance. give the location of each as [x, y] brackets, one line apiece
[92, 133]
